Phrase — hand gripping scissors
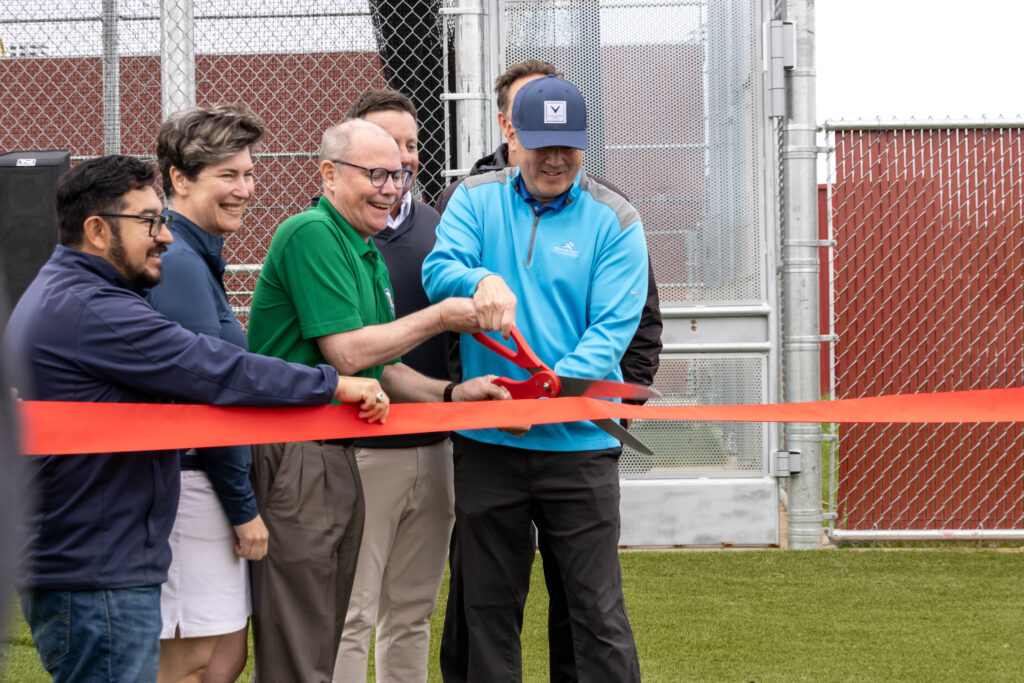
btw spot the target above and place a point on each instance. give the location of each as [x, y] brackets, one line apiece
[544, 383]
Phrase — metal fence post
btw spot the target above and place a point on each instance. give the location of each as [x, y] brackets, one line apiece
[111, 80]
[472, 93]
[177, 56]
[497, 37]
[801, 337]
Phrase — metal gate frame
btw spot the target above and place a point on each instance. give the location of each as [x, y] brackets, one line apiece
[702, 508]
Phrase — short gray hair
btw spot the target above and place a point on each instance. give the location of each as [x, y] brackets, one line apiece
[192, 139]
[339, 139]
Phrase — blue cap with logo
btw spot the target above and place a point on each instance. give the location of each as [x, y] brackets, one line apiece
[550, 112]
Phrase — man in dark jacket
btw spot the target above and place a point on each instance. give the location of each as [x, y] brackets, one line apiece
[97, 540]
[639, 364]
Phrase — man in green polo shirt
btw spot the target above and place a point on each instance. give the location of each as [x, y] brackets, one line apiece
[324, 296]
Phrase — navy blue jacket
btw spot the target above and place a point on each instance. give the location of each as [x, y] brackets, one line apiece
[192, 295]
[101, 521]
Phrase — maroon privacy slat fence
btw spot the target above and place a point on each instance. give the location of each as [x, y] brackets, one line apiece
[928, 295]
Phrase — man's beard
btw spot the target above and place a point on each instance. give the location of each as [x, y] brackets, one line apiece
[140, 278]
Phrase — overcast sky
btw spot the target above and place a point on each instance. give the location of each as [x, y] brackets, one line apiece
[919, 58]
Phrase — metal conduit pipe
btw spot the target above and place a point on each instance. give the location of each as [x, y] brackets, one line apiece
[471, 94]
[801, 340]
[924, 124]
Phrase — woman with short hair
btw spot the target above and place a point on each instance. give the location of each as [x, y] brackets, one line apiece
[205, 158]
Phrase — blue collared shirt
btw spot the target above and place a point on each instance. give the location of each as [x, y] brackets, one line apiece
[538, 208]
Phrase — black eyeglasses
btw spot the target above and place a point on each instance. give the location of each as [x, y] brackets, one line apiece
[156, 221]
[379, 176]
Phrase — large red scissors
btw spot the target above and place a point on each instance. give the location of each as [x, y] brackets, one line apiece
[544, 383]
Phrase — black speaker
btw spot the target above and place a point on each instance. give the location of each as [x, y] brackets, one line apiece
[28, 214]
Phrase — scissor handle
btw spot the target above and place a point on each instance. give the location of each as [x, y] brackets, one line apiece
[544, 384]
[523, 355]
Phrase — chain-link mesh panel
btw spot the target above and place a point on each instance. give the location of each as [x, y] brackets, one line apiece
[673, 121]
[929, 296]
[683, 449]
[67, 69]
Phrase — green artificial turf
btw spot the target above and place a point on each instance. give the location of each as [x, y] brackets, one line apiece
[831, 615]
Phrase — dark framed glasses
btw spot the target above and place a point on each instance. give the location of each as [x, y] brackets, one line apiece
[156, 221]
[379, 176]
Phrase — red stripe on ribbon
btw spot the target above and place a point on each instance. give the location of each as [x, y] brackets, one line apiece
[51, 427]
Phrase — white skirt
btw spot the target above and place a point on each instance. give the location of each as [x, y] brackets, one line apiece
[207, 589]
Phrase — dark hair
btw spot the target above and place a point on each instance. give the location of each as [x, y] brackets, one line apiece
[192, 139]
[380, 100]
[529, 67]
[97, 186]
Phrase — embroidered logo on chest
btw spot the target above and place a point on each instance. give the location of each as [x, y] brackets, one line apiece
[567, 249]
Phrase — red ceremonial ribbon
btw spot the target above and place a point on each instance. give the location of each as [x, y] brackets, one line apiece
[58, 427]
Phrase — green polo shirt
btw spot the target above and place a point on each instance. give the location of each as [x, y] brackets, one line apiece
[320, 277]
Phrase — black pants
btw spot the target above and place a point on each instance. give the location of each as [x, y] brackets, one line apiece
[573, 498]
[561, 658]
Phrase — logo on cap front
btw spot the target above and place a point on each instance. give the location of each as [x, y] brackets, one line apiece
[554, 111]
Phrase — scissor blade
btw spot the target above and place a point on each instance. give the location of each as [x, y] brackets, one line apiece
[622, 434]
[602, 388]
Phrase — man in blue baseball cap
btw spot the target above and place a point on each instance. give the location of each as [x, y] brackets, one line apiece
[550, 121]
[552, 113]
[545, 248]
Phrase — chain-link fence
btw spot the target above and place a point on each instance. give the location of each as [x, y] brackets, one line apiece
[927, 272]
[88, 77]
[673, 119]
[928, 295]
[677, 120]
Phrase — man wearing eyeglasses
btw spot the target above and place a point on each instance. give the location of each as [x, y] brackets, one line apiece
[97, 548]
[407, 478]
[324, 295]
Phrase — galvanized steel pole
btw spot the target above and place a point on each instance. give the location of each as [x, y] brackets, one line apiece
[111, 80]
[177, 56]
[801, 336]
[472, 93]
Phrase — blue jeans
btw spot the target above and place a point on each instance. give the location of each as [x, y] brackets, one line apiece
[105, 635]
